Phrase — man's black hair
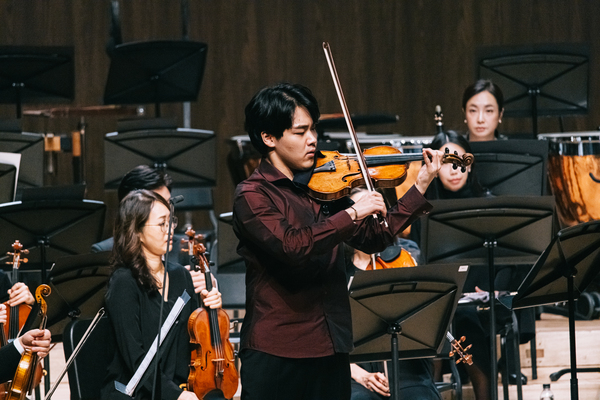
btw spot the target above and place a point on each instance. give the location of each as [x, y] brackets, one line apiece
[271, 110]
[143, 177]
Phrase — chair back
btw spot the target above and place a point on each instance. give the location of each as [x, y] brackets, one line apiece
[86, 374]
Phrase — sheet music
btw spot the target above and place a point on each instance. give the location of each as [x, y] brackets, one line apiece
[168, 324]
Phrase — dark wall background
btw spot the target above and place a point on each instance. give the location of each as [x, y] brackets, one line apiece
[400, 57]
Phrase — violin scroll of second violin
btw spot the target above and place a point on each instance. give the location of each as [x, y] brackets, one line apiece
[459, 350]
[458, 161]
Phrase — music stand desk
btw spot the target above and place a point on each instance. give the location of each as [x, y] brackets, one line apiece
[488, 231]
[187, 155]
[78, 285]
[155, 72]
[515, 167]
[36, 74]
[31, 148]
[51, 229]
[573, 254]
[539, 79]
[409, 307]
[9, 175]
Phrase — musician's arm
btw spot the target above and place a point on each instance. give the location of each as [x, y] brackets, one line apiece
[10, 359]
[373, 236]
[258, 219]
[374, 381]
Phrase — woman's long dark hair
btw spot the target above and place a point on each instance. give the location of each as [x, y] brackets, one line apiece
[127, 252]
[472, 186]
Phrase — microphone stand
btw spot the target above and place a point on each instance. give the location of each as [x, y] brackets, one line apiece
[172, 202]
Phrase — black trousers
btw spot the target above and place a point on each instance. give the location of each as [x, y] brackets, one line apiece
[265, 377]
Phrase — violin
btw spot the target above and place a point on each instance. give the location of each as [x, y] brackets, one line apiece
[212, 363]
[16, 315]
[336, 174]
[458, 349]
[26, 375]
[392, 257]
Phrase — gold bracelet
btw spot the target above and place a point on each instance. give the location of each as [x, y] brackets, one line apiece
[355, 213]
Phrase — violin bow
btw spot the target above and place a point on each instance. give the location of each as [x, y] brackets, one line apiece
[360, 157]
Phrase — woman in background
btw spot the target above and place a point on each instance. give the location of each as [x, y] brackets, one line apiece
[483, 105]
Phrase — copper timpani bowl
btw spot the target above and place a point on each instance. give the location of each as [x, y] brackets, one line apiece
[574, 173]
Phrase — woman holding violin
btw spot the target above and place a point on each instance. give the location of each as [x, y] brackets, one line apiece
[135, 294]
[297, 332]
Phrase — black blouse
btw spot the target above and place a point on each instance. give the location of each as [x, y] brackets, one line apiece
[133, 312]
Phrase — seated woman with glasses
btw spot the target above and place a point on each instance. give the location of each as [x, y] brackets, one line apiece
[136, 290]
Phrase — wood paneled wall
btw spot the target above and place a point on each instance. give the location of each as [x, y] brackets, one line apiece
[400, 57]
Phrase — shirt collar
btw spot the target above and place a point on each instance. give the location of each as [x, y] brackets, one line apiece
[272, 174]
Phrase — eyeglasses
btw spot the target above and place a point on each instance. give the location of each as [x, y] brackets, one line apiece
[165, 225]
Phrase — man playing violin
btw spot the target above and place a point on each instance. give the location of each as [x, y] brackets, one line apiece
[297, 331]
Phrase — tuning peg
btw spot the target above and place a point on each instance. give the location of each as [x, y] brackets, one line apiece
[26, 251]
[463, 169]
[454, 166]
[25, 260]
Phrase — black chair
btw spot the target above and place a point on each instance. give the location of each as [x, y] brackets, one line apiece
[87, 372]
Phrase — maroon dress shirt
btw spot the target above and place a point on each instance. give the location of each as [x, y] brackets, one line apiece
[296, 297]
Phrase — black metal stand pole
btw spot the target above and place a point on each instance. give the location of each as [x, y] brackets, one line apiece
[394, 330]
[490, 244]
[574, 383]
[533, 93]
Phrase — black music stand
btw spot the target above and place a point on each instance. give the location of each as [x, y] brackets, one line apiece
[411, 307]
[78, 285]
[31, 148]
[155, 72]
[36, 74]
[187, 155]
[488, 232]
[563, 271]
[50, 229]
[512, 167]
[231, 268]
[539, 80]
[8, 177]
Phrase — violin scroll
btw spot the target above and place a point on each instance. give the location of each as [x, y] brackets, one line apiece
[457, 161]
[16, 254]
[459, 350]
